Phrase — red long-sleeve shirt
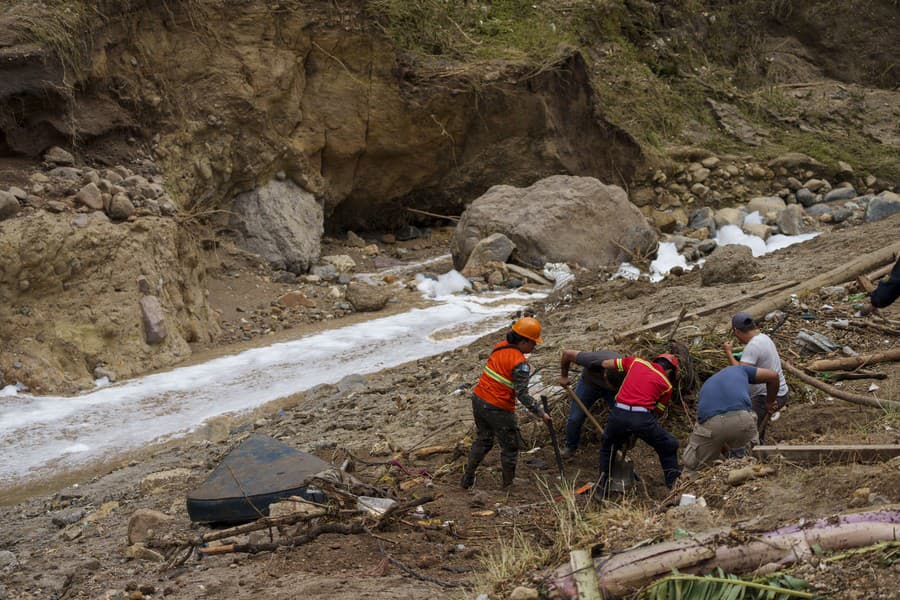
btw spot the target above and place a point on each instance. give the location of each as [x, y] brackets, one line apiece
[645, 384]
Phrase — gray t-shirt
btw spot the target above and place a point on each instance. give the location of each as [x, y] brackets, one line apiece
[593, 372]
[762, 354]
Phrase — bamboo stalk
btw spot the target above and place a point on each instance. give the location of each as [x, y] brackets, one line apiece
[851, 363]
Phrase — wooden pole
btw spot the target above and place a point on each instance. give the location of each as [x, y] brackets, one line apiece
[703, 311]
[581, 405]
[585, 576]
[837, 393]
[835, 276]
[851, 363]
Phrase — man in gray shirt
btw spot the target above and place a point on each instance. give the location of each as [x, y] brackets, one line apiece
[759, 351]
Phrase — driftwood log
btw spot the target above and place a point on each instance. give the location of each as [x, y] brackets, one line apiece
[627, 572]
[839, 393]
[840, 274]
[851, 363]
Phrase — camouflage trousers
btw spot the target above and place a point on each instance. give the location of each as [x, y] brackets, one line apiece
[493, 422]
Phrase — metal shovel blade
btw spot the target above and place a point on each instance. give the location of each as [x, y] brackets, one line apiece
[621, 475]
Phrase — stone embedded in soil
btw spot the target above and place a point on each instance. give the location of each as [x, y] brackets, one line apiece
[154, 320]
[728, 264]
[9, 205]
[144, 522]
[58, 156]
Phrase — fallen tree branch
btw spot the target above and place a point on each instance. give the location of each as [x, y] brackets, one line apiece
[838, 393]
[851, 363]
[263, 523]
[453, 218]
[842, 376]
[835, 276]
[300, 540]
[408, 571]
[702, 311]
[627, 572]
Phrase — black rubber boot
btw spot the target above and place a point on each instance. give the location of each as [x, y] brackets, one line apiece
[509, 475]
[468, 480]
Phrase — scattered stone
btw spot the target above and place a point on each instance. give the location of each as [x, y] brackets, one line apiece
[140, 552]
[102, 513]
[766, 204]
[644, 196]
[19, 193]
[408, 232]
[296, 298]
[703, 218]
[120, 207]
[839, 215]
[760, 230]
[728, 264]
[325, 272]
[367, 298]
[341, 262]
[355, 241]
[814, 185]
[163, 479]
[494, 248]
[790, 220]
[154, 320]
[795, 160]
[370, 250]
[72, 532]
[9, 206]
[144, 522]
[90, 196]
[840, 193]
[729, 216]
[68, 516]
[524, 593]
[882, 205]
[389, 238]
[8, 562]
[806, 197]
[58, 156]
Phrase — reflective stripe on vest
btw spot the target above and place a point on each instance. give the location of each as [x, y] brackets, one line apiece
[498, 377]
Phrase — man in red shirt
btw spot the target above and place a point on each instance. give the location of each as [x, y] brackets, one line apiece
[645, 393]
[503, 380]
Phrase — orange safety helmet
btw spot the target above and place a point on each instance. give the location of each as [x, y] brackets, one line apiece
[671, 359]
[528, 327]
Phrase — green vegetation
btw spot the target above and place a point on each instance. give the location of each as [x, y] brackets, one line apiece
[63, 28]
[726, 585]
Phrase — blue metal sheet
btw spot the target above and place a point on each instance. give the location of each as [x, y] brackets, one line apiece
[257, 473]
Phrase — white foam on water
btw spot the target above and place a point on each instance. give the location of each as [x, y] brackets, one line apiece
[42, 434]
[667, 257]
[731, 234]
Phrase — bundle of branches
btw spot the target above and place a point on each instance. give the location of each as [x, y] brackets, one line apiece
[311, 526]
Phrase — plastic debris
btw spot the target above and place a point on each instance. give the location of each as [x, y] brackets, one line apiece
[814, 342]
[374, 506]
[873, 387]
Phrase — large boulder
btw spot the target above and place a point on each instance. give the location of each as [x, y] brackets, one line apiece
[558, 219]
[282, 223]
[728, 264]
[494, 248]
[882, 205]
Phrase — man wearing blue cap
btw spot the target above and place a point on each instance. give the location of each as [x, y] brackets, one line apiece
[759, 351]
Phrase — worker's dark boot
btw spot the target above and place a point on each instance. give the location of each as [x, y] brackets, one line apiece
[509, 475]
[468, 480]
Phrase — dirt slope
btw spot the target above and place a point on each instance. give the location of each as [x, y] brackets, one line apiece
[415, 404]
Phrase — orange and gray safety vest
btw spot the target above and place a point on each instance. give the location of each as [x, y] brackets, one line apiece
[495, 386]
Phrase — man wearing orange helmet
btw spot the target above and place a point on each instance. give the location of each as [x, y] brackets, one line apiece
[644, 395]
[503, 380]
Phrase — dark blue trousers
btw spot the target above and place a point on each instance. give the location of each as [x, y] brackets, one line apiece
[589, 396]
[622, 424]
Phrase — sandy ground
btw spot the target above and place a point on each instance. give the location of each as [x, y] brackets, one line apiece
[376, 417]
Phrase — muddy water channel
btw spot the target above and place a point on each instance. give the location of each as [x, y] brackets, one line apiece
[41, 437]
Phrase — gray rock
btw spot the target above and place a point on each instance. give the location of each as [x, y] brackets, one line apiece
[841, 193]
[101, 372]
[707, 246]
[883, 205]
[367, 298]
[494, 248]
[793, 184]
[19, 193]
[795, 160]
[67, 516]
[408, 232]
[817, 185]
[539, 221]
[817, 210]
[790, 220]
[9, 206]
[90, 196]
[766, 204]
[759, 230]
[644, 196]
[839, 215]
[281, 222]
[120, 207]
[352, 383]
[58, 156]
[730, 216]
[703, 217]
[8, 562]
[326, 272]
[154, 320]
[355, 241]
[65, 173]
[728, 264]
[806, 197]
[145, 523]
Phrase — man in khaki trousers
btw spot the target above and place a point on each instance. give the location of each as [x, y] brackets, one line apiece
[725, 417]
